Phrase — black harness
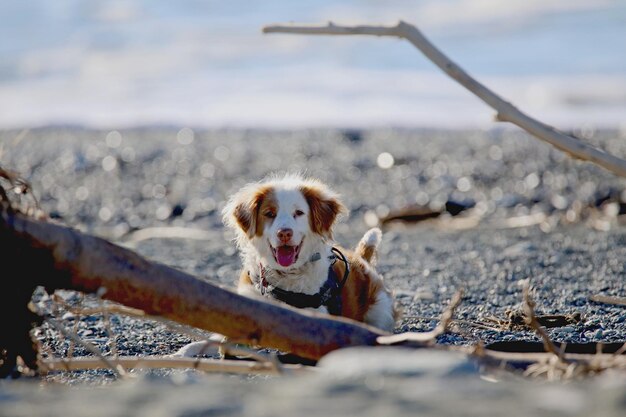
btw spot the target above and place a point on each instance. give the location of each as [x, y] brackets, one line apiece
[329, 294]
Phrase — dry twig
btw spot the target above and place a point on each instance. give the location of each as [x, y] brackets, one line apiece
[531, 321]
[426, 337]
[225, 347]
[470, 323]
[104, 361]
[152, 362]
[505, 111]
[13, 190]
[607, 299]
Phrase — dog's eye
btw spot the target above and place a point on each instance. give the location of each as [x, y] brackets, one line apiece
[298, 213]
[269, 214]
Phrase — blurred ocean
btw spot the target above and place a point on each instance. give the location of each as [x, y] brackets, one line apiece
[206, 64]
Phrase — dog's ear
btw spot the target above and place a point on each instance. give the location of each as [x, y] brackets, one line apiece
[324, 208]
[242, 211]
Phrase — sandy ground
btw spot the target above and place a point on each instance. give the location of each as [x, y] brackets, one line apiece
[535, 213]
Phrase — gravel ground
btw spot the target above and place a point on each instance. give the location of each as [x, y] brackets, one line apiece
[115, 183]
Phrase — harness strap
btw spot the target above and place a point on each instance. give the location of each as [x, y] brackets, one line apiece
[329, 294]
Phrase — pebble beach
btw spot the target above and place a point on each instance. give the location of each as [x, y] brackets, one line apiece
[525, 211]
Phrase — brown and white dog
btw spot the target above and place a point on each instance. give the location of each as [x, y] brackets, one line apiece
[283, 231]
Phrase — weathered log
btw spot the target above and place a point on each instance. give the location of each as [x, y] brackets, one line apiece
[59, 257]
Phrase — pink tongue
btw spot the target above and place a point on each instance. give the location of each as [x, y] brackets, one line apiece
[286, 255]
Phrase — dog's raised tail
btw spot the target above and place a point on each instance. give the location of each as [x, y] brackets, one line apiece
[366, 248]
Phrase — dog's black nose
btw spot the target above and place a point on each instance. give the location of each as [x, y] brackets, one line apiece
[285, 235]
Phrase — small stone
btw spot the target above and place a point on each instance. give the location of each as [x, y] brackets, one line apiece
[68, 316]
[423, 295]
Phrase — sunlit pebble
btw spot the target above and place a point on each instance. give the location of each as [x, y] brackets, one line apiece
[62, 206]
[207, 170]
[134, 221]
[221, 153]
[158, 191]
[560, 181]
[519, 170]
[382, 210]
[82, 193]
[496, 193]
[128, 154]
[189, 214]
[208, 204]
[495, 152]
[179, 153]
[532, 180]
[547, 178]
[421, 198]
[385, 160]
[353, 173]
[146, 190]
[399, 201]
[370, 218]
[520, 187]
[105, 214]
[521, 210]
[611, 209]
[185, 136]
[437, 204]
[571, 215]
[67, 161]
[183, 167]
[121, 229]
[109, 163]
[93, 153]
[163, 212]
[464, 184]
[559, 202]
[438, 169]
[113, 139]
[545, 227]
[47, 181]
[126, 204]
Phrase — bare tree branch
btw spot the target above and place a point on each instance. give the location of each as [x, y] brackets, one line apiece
[426, 337]
[505, 111]
[59, 257]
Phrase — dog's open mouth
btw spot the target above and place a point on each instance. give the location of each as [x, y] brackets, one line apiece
[286, 255]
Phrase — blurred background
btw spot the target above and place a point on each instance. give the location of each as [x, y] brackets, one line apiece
[206, 64]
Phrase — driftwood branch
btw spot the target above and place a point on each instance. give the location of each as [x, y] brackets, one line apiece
[59, 257]
[152, 362]
[506, 111]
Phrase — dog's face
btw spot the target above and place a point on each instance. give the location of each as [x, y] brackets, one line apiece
[284, 219]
